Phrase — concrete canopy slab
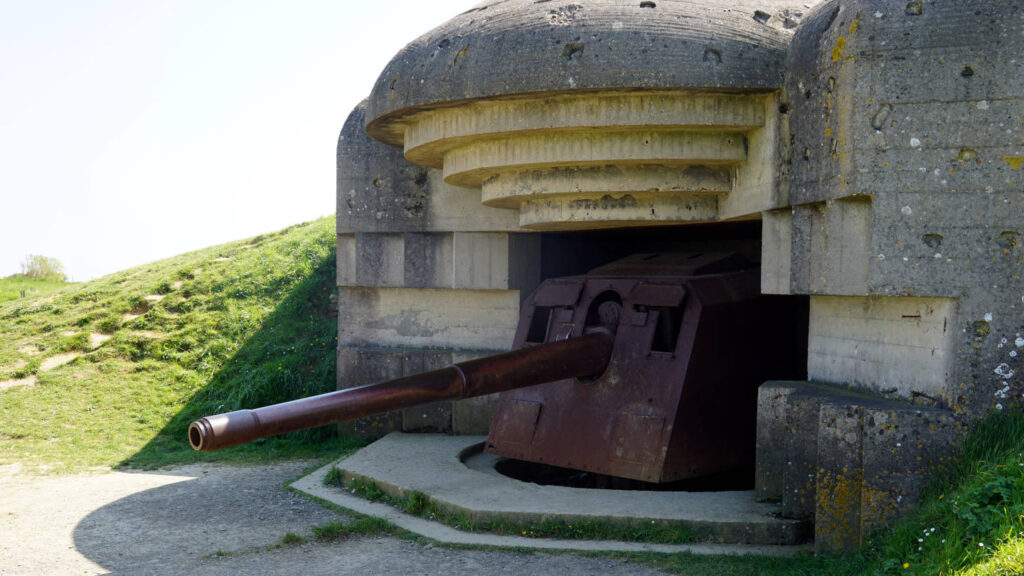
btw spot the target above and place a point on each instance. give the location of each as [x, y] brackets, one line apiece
[453, 473]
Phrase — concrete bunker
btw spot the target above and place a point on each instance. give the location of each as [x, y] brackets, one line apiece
[841, 146]
[838, 132]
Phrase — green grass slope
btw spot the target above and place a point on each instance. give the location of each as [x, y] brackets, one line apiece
[12, 287]
[151, 348]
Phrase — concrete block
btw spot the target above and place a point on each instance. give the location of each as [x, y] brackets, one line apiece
[481, 261]
[810, 245]
[849, 460]
[756, 182]
[380, 259]
[920, 111]
[848, 232]
[840, 477]
[891, 345]
[771, 436]
[800, 450]
[771, 433]
[776, 251]
[427, 318]
[473, 415]
[460, 260]
[901, 445]
[428, 260]
[433, 417]
[346, 273]
[362, 366]
[359, 367]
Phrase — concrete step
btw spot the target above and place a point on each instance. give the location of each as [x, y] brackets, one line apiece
[453, 472]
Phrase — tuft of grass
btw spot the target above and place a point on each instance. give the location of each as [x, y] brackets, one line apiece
[291, 539]
[359, 525]
[189, 336]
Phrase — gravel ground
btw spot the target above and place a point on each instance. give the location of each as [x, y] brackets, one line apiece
[175, 521]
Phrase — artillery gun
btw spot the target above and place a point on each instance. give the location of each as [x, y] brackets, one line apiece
[646, 368]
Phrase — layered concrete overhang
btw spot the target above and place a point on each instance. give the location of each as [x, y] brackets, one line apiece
[607, 114]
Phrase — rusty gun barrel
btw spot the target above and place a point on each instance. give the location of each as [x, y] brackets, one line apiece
[572, 358]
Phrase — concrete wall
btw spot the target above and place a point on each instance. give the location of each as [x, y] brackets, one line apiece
[426, 276]
[904, 183]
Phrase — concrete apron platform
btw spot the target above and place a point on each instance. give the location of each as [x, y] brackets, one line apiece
[454, 473]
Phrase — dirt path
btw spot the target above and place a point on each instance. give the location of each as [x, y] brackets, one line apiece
[175, 521]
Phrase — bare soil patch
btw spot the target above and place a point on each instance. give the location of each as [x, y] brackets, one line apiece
[96, 339]
[27, 382]
[58, 360]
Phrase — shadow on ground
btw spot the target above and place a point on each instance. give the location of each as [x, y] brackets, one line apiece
[217, 509]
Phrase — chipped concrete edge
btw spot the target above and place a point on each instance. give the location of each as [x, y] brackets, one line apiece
[313, 485]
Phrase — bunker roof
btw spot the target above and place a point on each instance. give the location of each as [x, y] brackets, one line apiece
[510, 48]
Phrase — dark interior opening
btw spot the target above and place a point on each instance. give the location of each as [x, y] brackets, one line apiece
[570, 253]
[545, 475]
[666, 332]
[538, 331]
[537, 256]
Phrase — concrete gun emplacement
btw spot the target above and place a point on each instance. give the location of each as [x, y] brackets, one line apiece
[646, 368]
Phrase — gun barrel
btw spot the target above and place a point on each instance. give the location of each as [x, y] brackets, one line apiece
[584, 356]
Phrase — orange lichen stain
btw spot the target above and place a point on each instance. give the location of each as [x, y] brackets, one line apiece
[838, 509]
[854, 25]
[828, 131]
[837, 52]
[1015, 162]
[877, 508]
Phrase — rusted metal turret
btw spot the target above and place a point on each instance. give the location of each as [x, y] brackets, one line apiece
[646, 368]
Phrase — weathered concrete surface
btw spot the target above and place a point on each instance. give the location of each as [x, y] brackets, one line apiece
[905, 176]
[378, 190]
[427, 318]
[522, 47]
[313, 485]
[609, 158]
[402, 463]
[892, 345]
[531, 103]
[849, 460]
[455, 260]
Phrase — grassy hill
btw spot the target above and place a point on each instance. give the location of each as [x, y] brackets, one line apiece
[111, 371]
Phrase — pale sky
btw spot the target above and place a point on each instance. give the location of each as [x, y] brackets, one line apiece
[134, 130]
